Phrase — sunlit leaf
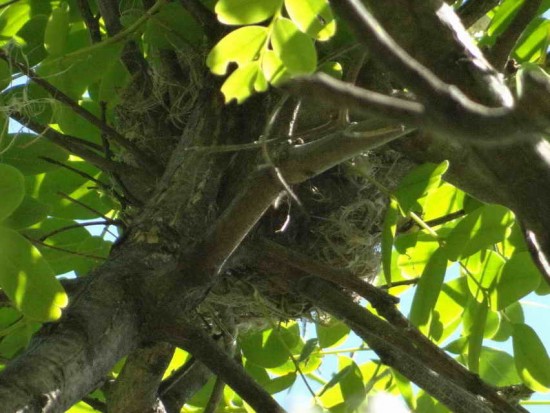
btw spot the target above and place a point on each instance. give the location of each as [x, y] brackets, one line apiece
[332, 333]
[518, 277]
[479, 229]
[294, 48]
[241, 46]
[246, 11]
[57, 30]
[389, 229]
[313, 17]
[418, 183]
[427, 290]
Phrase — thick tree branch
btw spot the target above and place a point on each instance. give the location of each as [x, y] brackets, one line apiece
[136, 387]
[195, 340]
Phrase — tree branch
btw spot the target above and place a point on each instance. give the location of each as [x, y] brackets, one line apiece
[175, 391]
[194, 339]
[508, 39]
[135, 389]
[76, 146]
[91, 22]
[395, 351]
[473, 10]
[143, 159]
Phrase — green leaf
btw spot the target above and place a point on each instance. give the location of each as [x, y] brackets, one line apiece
[418, 184]
[294, 48]
[415, 249]
[75, 125]
[485, 268]
[57, 30]
[94, 251]
[82, 407]
[442, 201]
[243, 82]
[309, 347]
[246, 11]
[532, 362]
[171, 27]
[29, 212]
[278, 384]
[113, 81]
[389, 229]
[12, 190]
[5, 74]
[28, 280]
[497, 367]
[475, 320]
[346, 387]
[449, 308]
[480, 229]
[332, 333]
[518, 277]
[12, 19]
[313, 17]
[266, 348]
[241, 46]
[273, 68]
[26, 151]
[333, 69]
[427, 290]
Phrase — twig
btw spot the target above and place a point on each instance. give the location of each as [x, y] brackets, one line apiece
[83, 205]
[508, 39]
[53, 247]
[71, 144]
[76, 171]
[215, 397]
[78, 225]
[91, 22]
[401, 283]
[95, 404]
[144, 160]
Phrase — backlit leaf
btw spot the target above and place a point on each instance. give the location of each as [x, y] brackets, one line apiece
[313, 17]
[12, 190]
[532, 362]
[294, 48]
[28, 280]
[246, 11]
[241, 46]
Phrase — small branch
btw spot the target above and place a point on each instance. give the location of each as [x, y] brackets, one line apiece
[215, 397]
[508, 39]
[195, 340]
[399, 352]
[76, 171]
[83, 205]
[177, 389]
[95, 404]
[76, 146]
[53, 247]
[144, 160]
[412, 281]
[91, 22]
[473, 10]
[131, 55]
[79, 225]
